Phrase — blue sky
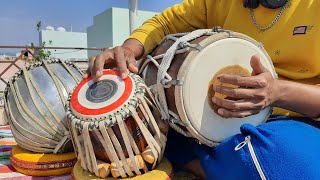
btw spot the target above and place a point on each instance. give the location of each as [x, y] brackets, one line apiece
[18, 18]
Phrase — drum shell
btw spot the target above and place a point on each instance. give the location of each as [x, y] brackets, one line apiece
[151, 72]
[40, 126]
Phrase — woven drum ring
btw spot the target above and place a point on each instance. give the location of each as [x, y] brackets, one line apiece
[40, 164]
[114, 124]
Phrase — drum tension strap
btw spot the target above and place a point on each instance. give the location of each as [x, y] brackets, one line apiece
[218, 29]
[185, 44]
[167, 83]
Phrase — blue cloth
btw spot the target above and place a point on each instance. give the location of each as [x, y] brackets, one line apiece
[179, 149]
[285, 149]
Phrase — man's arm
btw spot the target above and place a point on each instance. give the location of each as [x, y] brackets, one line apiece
[301, 98]
[184, 17]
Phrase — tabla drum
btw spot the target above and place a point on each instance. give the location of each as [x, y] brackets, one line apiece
[35, 100]
[181, 71]
[114, 124]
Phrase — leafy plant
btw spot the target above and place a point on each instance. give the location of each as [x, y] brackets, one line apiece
[42, 53]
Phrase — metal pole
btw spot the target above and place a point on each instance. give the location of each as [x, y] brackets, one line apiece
[132, 14]
[39, 47]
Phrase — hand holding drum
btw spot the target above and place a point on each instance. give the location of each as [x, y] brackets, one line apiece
[237, 94]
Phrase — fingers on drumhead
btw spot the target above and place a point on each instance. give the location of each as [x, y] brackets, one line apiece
[132, 65]
[109, 60]
[90, 66]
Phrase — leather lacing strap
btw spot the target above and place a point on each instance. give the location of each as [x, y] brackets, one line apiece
[112, 146]
[155, 147]
[78, 145]
[77, 79]
[90, 152]
[55, 81]
[32, 84]
[21, 133]
[28, 115]
[107, 144]
[101, 128]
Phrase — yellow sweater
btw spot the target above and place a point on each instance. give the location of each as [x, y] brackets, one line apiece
[293, 43]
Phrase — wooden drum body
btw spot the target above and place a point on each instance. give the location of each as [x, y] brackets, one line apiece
[180, 73]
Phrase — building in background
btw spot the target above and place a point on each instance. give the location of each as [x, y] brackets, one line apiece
[111, 27]
[61, 38]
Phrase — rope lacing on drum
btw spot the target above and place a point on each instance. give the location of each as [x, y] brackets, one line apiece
[164, 80]
[165, 64]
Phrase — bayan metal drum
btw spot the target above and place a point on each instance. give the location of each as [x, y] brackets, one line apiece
[113, 124]
[35, 100]
[182, 70]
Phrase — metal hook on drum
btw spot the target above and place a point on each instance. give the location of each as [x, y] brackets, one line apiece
[168, 83]
[218, 29]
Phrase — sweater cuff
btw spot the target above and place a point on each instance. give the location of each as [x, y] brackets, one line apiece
[145, 40]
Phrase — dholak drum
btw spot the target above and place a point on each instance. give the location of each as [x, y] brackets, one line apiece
[35, 100]
[113, 124]
[182, 70]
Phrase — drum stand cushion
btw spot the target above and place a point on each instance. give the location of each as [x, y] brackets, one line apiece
[38, 164]
[163, 171]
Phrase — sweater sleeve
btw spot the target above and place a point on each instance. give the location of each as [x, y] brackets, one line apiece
[184, 17]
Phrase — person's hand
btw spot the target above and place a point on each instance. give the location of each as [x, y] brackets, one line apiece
[255, 92]
[120, 57]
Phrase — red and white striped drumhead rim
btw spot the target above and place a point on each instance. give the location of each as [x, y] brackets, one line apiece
[106, 96]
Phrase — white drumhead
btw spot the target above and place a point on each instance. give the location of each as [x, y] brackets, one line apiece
[197, 71]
